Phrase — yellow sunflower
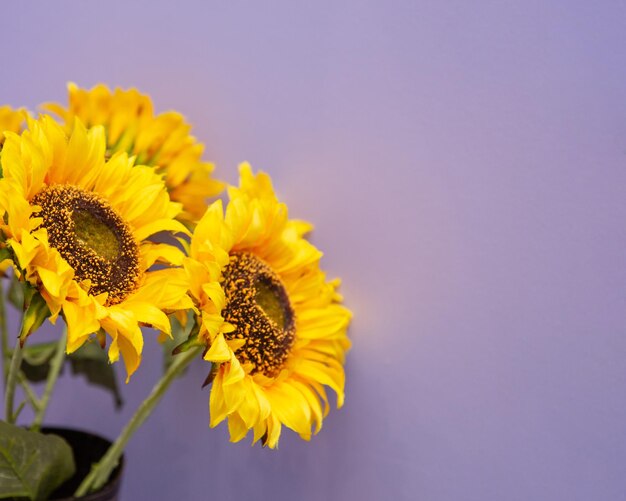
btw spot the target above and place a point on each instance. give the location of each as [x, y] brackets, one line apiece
[11, 120]
[78, 227]
[273, 325]
[162, 141]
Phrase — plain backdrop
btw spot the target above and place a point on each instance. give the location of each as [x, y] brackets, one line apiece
[465, 166]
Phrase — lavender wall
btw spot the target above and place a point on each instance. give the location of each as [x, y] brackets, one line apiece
[465, 165]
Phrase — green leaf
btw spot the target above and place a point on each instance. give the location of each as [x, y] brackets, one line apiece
[32, 464]
[35, 314]
[16, 292]
[91, 361]
[180, 335]
[39, 353]
[36, 360]
[5, 253]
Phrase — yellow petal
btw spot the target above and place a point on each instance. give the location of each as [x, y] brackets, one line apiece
[290, 407]
[149, 315]
[81, 323]
[236, 427]
[219, 350]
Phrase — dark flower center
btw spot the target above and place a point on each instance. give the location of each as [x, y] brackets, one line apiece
[257, 304]
[91, 236]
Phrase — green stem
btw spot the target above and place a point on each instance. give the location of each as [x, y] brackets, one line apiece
[55, 368]
[30, 394]
[14, 368]
[4, 334]
[101, 471]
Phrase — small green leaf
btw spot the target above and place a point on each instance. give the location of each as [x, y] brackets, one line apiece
[35, 314]
[36, 360]
[180, 338]
[32, 464]
[16, 292]
[212, 373]
[39, 353]
[5, 253]
[92, 361]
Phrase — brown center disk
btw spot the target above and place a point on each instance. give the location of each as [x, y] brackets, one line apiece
[257, 304]
[96, 242]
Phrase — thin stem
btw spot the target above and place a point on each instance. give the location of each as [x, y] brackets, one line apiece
[100, 472]
[4, 334]
[55, 368]
[30, 394]
[16, 361]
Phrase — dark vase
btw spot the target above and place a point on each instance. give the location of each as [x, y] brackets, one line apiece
[88, 449]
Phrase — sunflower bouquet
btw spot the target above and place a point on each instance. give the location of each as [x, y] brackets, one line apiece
[110, 224]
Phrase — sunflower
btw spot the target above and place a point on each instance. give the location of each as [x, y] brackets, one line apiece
[10, 121]
[161, 141]
[78, 228]
[273, 326]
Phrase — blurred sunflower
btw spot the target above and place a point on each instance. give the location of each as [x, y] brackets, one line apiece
[11, 120]
[273, 325]
[78, 227]
[161, 141]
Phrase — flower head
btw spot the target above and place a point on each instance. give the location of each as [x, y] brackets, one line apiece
[11, 120]
[162, 141]
[271, 321]
[79, 228]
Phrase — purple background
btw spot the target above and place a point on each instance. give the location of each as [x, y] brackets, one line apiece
[465, 166]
